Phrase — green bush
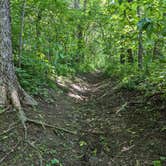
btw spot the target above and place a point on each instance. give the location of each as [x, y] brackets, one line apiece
[35, 73]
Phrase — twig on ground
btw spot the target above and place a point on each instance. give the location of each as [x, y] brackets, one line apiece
[23, 118]
[122, 108]
[50, 126]
[3, 110]
[11, 127]
[36, 149]
[93, 132]
[11, 151]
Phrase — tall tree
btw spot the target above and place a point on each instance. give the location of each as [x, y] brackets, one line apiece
[140, 45]
[10, 88]
[21, 31]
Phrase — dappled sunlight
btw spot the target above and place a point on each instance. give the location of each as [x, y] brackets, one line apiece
[77, 89]
[75, 96]
[82, 82]
[60, 83]
[80, 88]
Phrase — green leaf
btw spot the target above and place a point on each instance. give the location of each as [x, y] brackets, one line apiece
[163, 158]
[83, 143]
[144, 23]
[120, 2]
[163, 128]
[2, 110]
[55, 161]
[157, 163]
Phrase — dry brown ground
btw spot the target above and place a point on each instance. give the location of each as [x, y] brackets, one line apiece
[113, 127]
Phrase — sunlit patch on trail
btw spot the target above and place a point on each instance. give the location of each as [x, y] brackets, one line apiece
[79, 88]
[75, 96]
[76, 89]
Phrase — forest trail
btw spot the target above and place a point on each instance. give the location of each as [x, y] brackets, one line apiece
[111, 127]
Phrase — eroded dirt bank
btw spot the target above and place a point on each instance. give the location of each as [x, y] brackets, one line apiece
[110, 127]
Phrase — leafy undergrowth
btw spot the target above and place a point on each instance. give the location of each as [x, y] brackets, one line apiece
[151, 80]
[114, 127]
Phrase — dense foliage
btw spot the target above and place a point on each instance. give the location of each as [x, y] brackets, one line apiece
[123, 38]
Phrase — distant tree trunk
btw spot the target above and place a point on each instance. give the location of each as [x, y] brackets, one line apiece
[10, 89]
[80, 54]
[140, 50]
[38, 33]
[21, 31]
[78, 33]
[80, 42]
[157, 49]
[122, 56]
[76, 4]
[85, 5]
[130, 56]
[140, 45]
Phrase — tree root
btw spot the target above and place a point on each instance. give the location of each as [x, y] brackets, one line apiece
[11, 127]
[25, 120]
[15, 99]
[50, 126]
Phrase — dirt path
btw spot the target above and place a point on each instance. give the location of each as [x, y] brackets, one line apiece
[113, 127]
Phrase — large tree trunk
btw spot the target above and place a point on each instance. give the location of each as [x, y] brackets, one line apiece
[10, 89]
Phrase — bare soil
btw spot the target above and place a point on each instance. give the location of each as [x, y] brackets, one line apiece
[114, 127]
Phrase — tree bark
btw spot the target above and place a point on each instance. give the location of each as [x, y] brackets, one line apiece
[76, 4]
[130, 56]
[140, 45]
[79, 32]
[122, 58]
[11, 91]
[85, 5]
[38, 28]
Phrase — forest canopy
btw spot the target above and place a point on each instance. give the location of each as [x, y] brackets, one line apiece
[125, 38]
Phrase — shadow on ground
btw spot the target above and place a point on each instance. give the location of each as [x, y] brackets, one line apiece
[114, 127]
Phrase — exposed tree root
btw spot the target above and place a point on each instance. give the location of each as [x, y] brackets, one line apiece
[50, 126]
[25, 120]
[11, 127]
[13, 95]
[10, 89]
